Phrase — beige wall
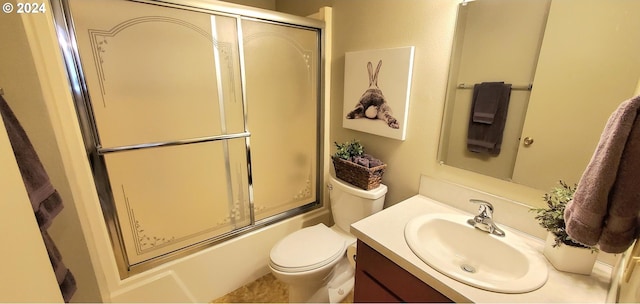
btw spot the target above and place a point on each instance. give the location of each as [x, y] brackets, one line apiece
[428, 25]
[20, 80]
[301, 8]
[264, 4]
[376, 24]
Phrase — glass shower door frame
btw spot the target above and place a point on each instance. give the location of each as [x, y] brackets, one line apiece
[96, 154]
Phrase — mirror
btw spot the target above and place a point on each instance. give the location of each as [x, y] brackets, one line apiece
[570, 64]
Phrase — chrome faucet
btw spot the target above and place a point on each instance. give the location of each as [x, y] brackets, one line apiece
[484, 219]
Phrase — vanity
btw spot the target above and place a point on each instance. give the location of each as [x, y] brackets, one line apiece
[388, 270]
[381, 280]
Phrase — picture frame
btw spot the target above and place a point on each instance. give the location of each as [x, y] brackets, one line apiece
[377, 85]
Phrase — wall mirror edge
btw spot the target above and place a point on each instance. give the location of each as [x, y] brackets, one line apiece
[509, 184]
[522, 194]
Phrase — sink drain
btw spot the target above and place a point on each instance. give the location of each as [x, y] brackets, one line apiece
[468, 268]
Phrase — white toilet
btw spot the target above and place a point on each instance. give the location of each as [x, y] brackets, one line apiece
[313, 260]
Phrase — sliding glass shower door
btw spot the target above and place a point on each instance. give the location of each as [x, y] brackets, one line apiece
[282, 75]
[199, 124]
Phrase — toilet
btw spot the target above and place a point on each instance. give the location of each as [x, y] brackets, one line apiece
[313, 260]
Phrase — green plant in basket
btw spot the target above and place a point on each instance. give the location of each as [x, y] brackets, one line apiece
[349, 149]
[552, 217]
[356, 167]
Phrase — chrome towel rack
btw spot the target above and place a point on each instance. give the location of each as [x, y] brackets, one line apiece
[516, 88]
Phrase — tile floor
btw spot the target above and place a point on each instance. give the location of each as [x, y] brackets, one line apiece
[266, 289]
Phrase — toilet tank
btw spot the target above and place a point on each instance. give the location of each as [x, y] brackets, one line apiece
[350, 204]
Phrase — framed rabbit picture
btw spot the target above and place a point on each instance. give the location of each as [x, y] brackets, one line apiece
[377, 85]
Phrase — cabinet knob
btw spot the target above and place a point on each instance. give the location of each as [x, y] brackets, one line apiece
[527, 141]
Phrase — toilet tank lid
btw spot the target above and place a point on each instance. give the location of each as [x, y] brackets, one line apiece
[368, 194]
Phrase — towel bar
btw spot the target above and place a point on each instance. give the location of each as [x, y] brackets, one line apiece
[516, 88]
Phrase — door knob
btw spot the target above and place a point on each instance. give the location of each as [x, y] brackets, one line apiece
[527, 141]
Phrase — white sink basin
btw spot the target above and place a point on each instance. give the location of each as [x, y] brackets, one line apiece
[456, 249]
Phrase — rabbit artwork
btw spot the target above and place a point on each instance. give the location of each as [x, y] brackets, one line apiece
[372, 103]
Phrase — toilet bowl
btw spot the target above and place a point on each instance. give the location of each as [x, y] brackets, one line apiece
[305, 260]
[313, 260]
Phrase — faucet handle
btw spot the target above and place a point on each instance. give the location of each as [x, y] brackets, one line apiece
[484, 219]
[484, 205]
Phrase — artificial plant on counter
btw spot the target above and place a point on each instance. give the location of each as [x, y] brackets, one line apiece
[552, 217]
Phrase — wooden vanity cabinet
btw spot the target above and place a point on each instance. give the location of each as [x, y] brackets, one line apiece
[378, 279]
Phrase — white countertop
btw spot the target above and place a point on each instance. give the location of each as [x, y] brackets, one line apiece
[384, 232]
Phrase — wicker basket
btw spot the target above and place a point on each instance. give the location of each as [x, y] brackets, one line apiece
[357, 175]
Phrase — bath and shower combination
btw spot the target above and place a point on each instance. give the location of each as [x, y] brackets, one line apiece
[200, 121]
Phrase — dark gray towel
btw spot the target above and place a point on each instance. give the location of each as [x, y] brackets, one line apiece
[45, 200]
[488, 117]
[65, 278]
[486, 99]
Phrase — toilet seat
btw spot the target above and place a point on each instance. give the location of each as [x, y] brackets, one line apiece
[307, 249]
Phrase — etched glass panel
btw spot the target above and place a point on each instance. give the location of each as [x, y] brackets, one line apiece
[163, 75]
[158, 74]
[282, 115]
[171, 197]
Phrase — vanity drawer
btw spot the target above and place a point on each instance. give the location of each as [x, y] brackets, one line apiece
[398, 285]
